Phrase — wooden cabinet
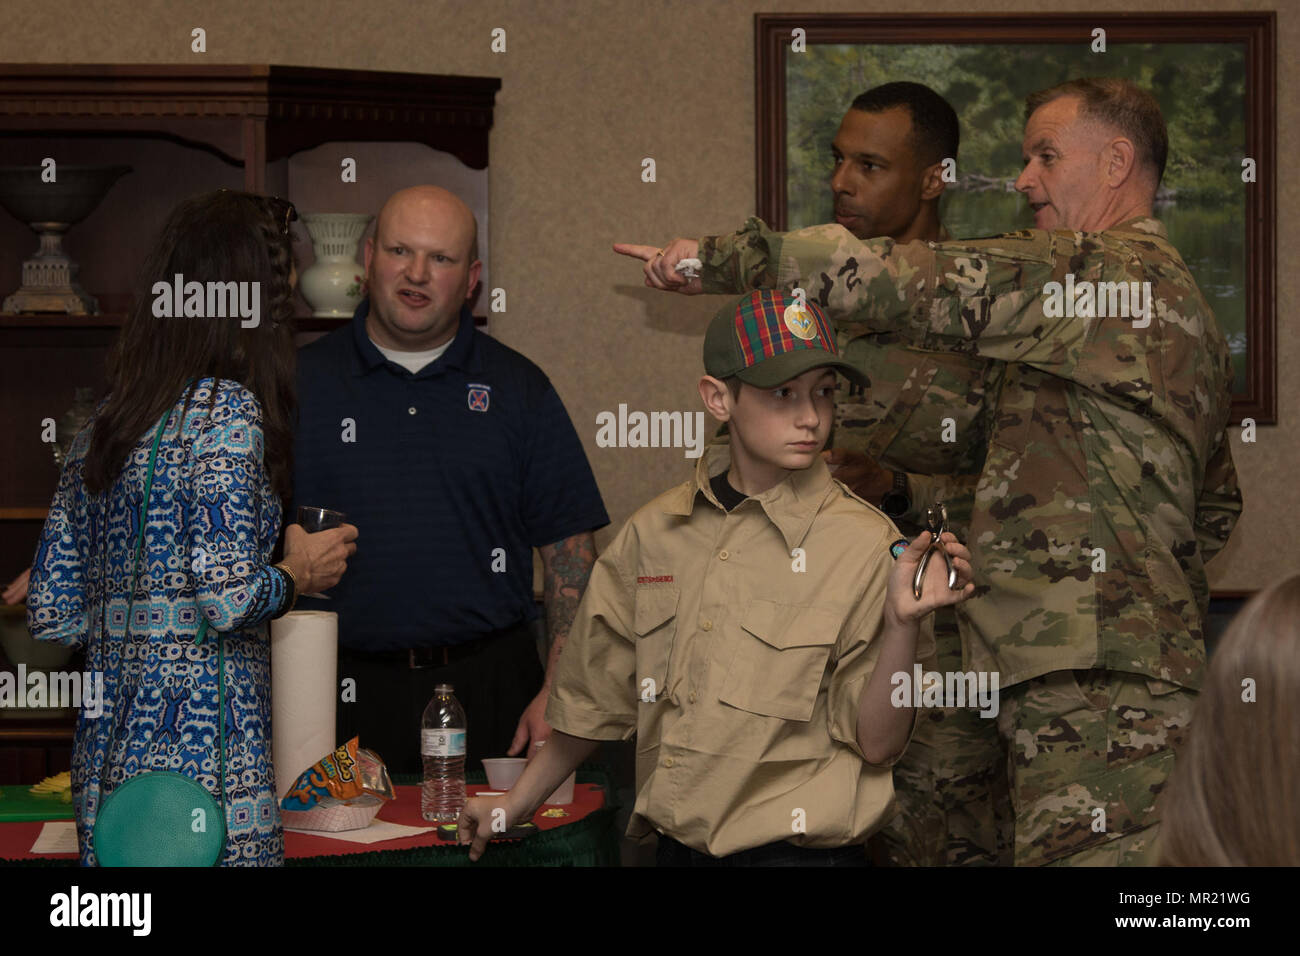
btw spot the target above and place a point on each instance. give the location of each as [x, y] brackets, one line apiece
[187, 129]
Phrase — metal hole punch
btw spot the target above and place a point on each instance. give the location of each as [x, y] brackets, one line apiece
[936, 522]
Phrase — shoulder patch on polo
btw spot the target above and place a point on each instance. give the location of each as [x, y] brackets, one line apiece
[479, 396]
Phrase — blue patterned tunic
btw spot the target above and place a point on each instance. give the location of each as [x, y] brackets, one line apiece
[212, 524]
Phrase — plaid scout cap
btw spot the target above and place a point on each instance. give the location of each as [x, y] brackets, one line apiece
[765, 339]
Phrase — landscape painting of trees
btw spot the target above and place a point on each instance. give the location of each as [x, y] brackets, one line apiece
[1204, 88]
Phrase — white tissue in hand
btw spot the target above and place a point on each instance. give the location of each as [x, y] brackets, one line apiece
[690, 268]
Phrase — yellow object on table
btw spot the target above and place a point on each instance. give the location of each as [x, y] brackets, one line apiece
[59, 783]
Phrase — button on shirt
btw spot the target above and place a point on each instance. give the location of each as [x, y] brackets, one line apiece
[740, 677]
[452, 475]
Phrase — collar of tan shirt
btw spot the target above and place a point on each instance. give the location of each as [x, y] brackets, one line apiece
[791, 504]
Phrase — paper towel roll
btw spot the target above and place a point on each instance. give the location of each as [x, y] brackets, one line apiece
[304, 692]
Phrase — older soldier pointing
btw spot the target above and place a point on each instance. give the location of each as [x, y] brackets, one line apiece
[1109, 479]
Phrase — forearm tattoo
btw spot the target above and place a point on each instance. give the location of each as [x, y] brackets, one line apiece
[567, 567]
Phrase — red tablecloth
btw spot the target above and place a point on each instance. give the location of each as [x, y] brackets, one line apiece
[406, 810]
[16, 839]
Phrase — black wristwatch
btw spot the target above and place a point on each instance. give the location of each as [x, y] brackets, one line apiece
[896, 502]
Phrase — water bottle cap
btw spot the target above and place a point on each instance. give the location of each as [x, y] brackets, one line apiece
[443, 689]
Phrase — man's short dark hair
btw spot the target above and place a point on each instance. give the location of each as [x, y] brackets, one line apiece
[1126, 107]
[935, 133]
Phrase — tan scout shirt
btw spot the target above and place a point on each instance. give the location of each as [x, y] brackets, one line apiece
[739, 675]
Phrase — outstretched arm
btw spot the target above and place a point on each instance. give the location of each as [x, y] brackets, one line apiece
[979, 297]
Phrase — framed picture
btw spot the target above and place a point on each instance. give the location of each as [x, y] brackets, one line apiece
[1214, 76]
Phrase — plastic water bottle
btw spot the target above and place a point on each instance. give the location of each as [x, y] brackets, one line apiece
[442, 744]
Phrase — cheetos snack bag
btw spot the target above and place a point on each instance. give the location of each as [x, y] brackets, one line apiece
[341, 791]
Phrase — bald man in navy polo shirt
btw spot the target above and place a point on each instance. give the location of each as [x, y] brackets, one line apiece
[454, 457]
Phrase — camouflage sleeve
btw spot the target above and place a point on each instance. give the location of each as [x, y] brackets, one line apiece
[739, 262]
[981, 297]
[957, 492]
[1219, 506]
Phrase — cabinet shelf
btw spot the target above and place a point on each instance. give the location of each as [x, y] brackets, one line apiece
[112, 321]
[251, 114]
[38, 322]
[54, 320]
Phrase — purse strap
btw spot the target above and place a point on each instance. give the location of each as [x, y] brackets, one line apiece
[203, 623]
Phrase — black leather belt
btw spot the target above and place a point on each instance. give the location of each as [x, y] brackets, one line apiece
[420, 658]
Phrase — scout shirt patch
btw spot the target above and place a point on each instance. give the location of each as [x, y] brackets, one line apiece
[479, 397]
[800, 322]
[898, 547]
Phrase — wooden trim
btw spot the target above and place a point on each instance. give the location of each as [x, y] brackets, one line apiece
[59, 731]
[54, 320]
[112, 321]
[284, 92]
[252, 135]
[1260, 398]
[1233, 595]
[58, 331]
[298, 107]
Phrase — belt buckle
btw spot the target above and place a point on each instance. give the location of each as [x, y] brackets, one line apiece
[423, 658]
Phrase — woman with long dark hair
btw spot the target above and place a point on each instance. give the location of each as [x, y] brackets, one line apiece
[210, 401]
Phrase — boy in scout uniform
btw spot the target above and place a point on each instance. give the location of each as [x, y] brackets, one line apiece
[745, 627]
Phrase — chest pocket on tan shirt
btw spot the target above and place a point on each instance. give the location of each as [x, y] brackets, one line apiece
[655, 623]
[779, 659]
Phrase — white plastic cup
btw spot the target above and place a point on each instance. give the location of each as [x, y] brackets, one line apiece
[502, 772]
[564, 792]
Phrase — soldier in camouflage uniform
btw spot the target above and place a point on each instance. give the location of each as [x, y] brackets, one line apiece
[954, 801]
[1108, 480]
[924, 413]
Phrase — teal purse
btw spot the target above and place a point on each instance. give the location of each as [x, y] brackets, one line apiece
[163, 818]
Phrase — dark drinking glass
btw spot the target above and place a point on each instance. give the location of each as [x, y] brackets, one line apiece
[319, 519]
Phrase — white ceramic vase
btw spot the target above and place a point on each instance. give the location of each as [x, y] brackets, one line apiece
[332, 285]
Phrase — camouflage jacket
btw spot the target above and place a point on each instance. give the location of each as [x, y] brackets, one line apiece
[927, 413]
[1108, 481]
